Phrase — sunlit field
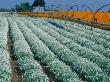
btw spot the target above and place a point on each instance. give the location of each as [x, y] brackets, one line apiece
[102, 17]
[43, 41]
[45, 50]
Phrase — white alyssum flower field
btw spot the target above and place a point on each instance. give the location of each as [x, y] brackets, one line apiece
[50, 50]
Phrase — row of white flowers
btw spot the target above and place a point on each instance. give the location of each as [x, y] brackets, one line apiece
[97, 30]
[80, 40]
[100, 41]
[5, 67]
[31, 69]
[81, 65]
[106, 32]
[93, 37]
[90, 32]
[76, 25]
[60, 70]
[84, 27]
[93, 56]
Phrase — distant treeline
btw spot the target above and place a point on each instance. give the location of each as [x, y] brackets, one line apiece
[7, 10]
[27, 7]
[23, 7]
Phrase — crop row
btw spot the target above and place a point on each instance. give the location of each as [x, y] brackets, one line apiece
[91, 37]
[84, 28]
[81, 65]
[60, 70]
[30, 69]
[80, 40]
[5, 67]
[95, 57]
[76, 25]
[90, 32]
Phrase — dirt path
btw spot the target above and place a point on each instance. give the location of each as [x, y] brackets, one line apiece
[47, 72]
[16, 77]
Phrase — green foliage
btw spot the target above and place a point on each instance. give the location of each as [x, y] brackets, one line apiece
[7, 10]
[24, 7]
[40, 3]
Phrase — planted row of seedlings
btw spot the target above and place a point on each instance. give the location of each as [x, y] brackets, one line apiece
[30, 69]
[84, 52]
[80, 40]
[83, 67]
[100, 41]
[60, 70]
[5, 67]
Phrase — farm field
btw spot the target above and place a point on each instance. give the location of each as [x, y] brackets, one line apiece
[48, 50]
[102, 17]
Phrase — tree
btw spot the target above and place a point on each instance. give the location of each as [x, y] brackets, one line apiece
[39, 3]
[23, 7]
[12, 9]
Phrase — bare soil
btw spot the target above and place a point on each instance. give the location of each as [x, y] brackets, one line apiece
[16, 77]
